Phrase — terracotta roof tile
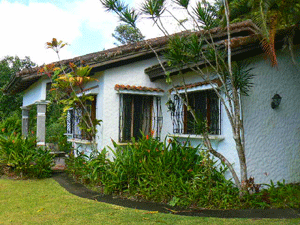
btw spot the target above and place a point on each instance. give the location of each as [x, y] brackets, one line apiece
[188, 86]
[119, 87]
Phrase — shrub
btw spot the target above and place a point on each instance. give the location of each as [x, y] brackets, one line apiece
[280, 195]
[22, 156]
[56, 135]
[11, 124]
[88, 170]
[164, 172]
[172, 173]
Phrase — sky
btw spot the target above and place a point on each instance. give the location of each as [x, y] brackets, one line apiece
[26, 25]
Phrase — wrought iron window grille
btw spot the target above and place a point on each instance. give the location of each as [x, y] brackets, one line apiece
[74, 118]
[139, 114]
[207, 108]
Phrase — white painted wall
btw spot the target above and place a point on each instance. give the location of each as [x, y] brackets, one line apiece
[273, 135]
[36, 92]
[132, 74]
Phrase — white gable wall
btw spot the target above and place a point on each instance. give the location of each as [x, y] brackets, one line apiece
[36, 92]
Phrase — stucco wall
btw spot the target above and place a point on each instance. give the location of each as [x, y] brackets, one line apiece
[35, 92]
[273, 135]
[132, 74]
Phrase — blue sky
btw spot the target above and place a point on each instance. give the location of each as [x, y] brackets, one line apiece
[26, 25]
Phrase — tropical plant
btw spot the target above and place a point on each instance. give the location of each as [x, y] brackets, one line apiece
[22, 157]
[67, 85]
[11, 124]
[169, 172]
[269, 16]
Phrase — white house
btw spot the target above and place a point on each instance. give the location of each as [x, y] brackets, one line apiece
[131, 95]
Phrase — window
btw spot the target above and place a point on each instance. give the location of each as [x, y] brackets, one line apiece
[207, 107]
[74, 118]
[139, 114]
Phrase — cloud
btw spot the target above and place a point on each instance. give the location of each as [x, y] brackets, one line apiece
[84, 24]
[26, 29]
[150, 30]
[98, 21]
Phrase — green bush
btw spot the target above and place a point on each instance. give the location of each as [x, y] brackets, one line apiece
[55, 135]
[164, 172]
[280, 195]
[88, 170]
[11, 124]
[23, 158]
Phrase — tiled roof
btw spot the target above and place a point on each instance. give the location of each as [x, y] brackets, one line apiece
[119, 87]
[243, 33]
[188, 86]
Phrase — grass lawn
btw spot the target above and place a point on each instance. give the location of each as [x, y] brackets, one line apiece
[46, 202]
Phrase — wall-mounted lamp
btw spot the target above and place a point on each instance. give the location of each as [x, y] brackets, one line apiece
[171, 106]
[276, 101]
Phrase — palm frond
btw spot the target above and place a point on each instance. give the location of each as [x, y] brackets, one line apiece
[206, 15]
[182, 3]
[154, 8]
[242, 77]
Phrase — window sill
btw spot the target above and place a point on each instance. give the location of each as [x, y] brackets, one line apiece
[198, 136]
[80, 141]
[123, 143]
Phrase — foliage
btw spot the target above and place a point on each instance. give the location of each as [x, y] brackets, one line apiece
[270, 16]
[176, 174]
[56, 126]
[11, 124]
[280, 195]
[126, 34]
[207, 15]
[56, 135]
[164, 172]
[23, 158]
[88, 170]
[8, 67]
[125, 13]
[67, 83]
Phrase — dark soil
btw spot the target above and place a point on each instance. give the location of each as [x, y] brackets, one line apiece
[80, 190]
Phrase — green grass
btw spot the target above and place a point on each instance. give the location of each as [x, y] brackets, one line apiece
[46, 202]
